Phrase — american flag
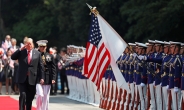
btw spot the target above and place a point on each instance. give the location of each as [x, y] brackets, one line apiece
[97, 57]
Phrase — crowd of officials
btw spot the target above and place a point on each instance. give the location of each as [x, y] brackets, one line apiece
[9, 67]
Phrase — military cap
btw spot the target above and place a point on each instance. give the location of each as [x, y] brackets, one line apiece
[175, 43]
[42, 42]
[159, 42]
[151, 42]
[132, 44]
[142, 45]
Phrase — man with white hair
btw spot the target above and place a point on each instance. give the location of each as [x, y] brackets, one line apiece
[30, 69]
[8, 40]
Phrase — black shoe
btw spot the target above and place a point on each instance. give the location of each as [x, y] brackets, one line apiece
[62, 93]
[52, 93]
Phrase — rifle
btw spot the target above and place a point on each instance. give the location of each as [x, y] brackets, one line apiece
[169, 100]
[148, 97]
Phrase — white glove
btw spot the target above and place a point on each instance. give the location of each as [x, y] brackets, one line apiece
[140, 57]
[161, 84]
[134, 54]
[142, 84]
[175, 89]
[153, 83]
[167, 87]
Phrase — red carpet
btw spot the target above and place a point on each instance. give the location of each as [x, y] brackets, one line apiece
[8, 103]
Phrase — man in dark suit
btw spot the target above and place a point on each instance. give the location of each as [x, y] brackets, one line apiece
[30, 67]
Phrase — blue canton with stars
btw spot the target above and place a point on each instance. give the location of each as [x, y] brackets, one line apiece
[94, 34]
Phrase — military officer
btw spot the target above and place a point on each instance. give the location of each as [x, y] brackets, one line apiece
[164, 70]
[175, 74]
[151, 54]
[182, 76]
[43, 91]
[131, 75]
[141, 76]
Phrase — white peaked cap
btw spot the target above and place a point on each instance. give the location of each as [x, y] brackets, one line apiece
[175, 43]
[151, 41]
[132, 44]
[159, 42]
[42, 42]
[142, 45]
[166, 43]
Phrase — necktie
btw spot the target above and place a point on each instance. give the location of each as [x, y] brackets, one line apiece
[28, 57]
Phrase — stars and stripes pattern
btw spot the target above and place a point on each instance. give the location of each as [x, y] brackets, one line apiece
[97, 57]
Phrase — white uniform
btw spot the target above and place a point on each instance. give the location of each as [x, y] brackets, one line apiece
[42, 96]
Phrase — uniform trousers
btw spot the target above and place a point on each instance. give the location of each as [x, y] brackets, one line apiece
[158, 91]
[132, 100]
[176, 96]
[152, 94]
[42, 96]
[142, 95]
[165, 97]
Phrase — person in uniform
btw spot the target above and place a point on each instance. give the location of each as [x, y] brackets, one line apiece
[182, 76]
[159, 49]
[175, 74]
[151, 54]
[164, 70]
[43, 90]
[141, 76]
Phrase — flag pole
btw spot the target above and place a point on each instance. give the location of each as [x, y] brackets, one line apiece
[93, 9]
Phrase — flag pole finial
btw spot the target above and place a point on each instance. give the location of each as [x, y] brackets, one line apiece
[93, 9]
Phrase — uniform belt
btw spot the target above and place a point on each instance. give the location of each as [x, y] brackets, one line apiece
[134, 70]
[125, 71]
[109, 69]
[171, 75]
[138, 72]
[163, 74]
[122, 71]
[130, 72]
[183, 74]
[76, 68]
[71, 67]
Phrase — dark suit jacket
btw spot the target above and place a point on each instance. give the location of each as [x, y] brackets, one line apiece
[34, 68]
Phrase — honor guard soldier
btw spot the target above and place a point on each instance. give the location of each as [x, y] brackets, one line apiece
[151, 77]
[141, 77]
[43, 91]
[175, 74]
[182, 76]
[131, 75]
[159, 49]
[164, 70]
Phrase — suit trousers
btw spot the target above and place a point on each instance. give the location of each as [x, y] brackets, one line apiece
[63, 80]
[27, 93]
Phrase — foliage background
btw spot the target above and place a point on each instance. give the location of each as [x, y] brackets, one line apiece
[64, 22]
